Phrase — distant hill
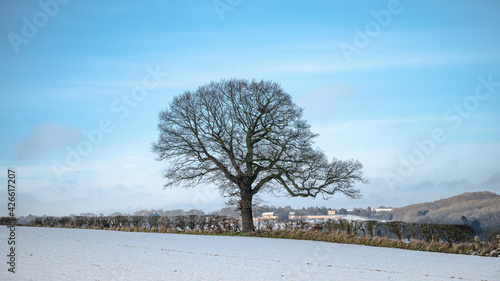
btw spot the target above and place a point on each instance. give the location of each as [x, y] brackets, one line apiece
[483, 206]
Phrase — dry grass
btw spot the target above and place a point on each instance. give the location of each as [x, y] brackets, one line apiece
[477, 248]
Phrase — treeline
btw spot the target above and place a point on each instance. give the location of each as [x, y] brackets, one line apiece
[283, 212]
[8, 221]
[460, 239]
[154, 223]
[367, 213]
[161, 212]
[451, 234]
[428, 232]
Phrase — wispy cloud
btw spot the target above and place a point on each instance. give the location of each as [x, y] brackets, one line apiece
[493, 180]
[455, 183]
[423, 185]
[44, 138]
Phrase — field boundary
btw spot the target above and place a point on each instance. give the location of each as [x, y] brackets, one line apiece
[454, 239]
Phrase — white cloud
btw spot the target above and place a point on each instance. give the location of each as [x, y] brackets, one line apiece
[320, 101]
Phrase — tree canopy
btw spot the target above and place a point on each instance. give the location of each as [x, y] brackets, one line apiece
[245, 137]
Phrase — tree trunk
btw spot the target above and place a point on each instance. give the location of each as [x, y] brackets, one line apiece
[246, 213]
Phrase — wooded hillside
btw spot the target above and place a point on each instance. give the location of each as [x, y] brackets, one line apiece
[482, 206]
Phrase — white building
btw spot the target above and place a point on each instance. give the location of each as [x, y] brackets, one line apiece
[266, 216]
[383, 210]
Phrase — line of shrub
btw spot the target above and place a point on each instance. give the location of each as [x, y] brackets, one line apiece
[458, 239]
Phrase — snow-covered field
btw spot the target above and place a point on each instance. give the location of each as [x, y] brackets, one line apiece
[74, 254]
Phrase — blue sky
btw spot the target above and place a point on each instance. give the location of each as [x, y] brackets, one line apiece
[410, 88]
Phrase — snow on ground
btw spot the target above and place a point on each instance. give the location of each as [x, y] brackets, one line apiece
[77, 254]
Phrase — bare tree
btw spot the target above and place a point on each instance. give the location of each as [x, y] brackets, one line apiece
[246, 137]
